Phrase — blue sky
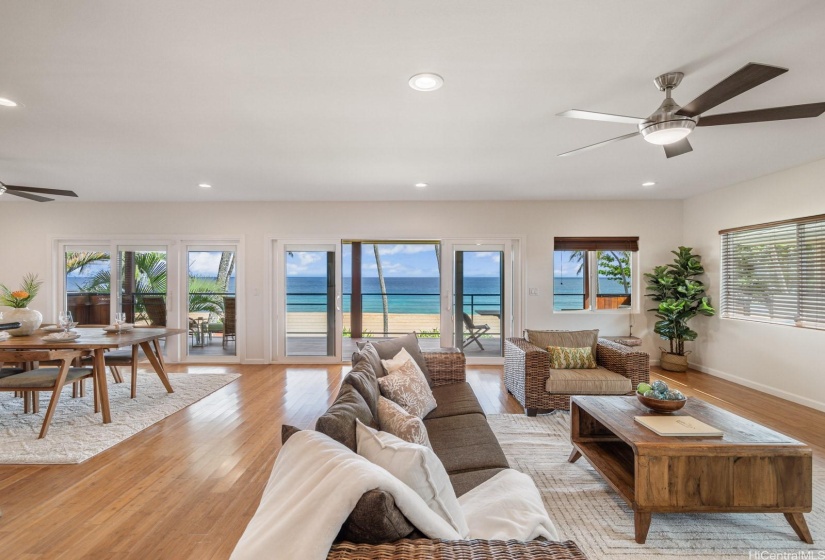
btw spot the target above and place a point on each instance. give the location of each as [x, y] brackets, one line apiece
[397, 260]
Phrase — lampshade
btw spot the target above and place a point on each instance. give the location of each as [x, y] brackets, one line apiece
[668, 132]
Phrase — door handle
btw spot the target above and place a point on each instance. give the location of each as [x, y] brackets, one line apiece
[337, 305]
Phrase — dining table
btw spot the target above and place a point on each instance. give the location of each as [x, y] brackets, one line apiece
[97, 341]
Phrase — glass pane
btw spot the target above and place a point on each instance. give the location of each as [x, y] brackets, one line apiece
[479, 285]
[87, 286]
[400, 292]
[143, 287]
[310, 303]
[568, 280]
[211, 314]
[614, 283]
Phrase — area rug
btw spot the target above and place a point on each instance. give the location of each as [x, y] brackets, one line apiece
[587, 511]
[76, 433]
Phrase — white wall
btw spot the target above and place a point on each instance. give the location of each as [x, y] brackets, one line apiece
[26, 230]
[779, 359]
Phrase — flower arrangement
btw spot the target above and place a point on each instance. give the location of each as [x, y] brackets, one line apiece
[19, 299]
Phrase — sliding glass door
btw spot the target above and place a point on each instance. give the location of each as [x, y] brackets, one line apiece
[211, 318]
[479, 313]
[309, 299]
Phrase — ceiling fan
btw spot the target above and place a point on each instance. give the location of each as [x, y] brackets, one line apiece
[670, 124]
[24, 192]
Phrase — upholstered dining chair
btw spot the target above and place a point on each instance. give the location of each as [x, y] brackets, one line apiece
[51, 378]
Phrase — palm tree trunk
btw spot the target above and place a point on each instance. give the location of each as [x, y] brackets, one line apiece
[225, 268]
[383, 287]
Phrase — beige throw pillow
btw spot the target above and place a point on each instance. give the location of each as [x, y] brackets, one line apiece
[416, 466]
[406, 385]
[395, 420]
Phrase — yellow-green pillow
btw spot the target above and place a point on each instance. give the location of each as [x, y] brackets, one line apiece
[571, 358]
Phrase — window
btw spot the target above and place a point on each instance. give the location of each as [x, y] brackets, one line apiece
[593, 273]
[775, 272]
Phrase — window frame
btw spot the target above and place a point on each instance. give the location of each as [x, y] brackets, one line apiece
[807, 256]
[591, 245]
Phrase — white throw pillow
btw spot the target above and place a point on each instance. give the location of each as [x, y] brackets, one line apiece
[406, 385]
[416, 466]
[395, 420]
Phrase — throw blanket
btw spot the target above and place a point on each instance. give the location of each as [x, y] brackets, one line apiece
[508, 506]
[316, 482]
[314, 486]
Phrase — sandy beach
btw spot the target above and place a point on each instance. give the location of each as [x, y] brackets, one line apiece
[308, 322]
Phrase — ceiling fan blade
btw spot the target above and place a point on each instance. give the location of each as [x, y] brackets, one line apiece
[763, 115]
[677, 148]
[58, 192]
[606, 117]
[600, 144]
[747, 77]
[29, 196]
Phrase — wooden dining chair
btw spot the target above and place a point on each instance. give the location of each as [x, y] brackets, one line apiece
[51, 378]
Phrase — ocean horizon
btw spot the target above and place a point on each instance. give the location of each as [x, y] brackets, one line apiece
[409, 294]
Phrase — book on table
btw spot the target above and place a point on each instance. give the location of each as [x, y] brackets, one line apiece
[678, 426]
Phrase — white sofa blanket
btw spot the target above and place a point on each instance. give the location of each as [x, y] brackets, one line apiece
[316, 482]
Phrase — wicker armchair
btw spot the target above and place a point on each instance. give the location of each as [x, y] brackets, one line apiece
[432, 549]
[446, 365]
[527, 368]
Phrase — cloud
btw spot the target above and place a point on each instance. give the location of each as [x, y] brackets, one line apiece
[301, 262]
[204, 263]
[406, 249]
[494, 256]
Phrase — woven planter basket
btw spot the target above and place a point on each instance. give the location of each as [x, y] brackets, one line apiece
[674, 362]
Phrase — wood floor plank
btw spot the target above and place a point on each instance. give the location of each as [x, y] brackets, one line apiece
[187, 486]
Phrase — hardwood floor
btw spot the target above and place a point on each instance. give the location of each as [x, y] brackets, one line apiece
[187, 486]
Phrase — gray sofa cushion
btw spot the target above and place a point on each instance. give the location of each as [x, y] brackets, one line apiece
[387, 349]
[564, 339]
[287, 432]
[367, 353]
[338, 422]
[454, 399]
[466, 481]
[465, 443]
[364, 381]
[375, 520]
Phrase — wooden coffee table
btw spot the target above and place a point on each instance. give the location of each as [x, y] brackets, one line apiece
[748, 470]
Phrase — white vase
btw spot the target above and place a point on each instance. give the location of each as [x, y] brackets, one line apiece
[29, 319]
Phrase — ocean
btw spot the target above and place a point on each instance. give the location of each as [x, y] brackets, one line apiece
[412, 295]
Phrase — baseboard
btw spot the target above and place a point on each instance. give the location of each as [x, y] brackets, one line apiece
[254, 362]
[810, 403]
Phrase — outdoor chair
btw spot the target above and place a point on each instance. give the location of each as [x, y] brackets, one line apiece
[228, 320]
[52, 378]
[156, 310]
[475, 331]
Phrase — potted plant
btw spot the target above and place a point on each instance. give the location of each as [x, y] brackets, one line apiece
[681, 297]
[18, 300]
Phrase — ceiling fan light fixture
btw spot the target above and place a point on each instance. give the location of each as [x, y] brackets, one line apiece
[668, 132]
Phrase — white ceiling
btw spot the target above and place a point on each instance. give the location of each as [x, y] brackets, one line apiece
[309, 100]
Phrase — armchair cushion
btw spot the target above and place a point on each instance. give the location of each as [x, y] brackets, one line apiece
[571, 358]
[596, 381]
[564, 339]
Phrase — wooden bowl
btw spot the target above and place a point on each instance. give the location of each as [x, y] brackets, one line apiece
[663, 407]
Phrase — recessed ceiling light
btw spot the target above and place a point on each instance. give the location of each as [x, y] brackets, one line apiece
[648, 184]
[426, 82]
[421, 185]
[7, 102]
[205, 186]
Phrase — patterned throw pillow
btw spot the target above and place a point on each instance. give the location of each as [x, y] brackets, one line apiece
[395, 420]
[571, 358]
[406, 386]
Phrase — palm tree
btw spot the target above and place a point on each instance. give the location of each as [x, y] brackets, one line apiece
[613, 265]
[79, 260]
[383, 287]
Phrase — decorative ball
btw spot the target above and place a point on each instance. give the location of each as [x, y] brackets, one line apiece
[659, 386]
